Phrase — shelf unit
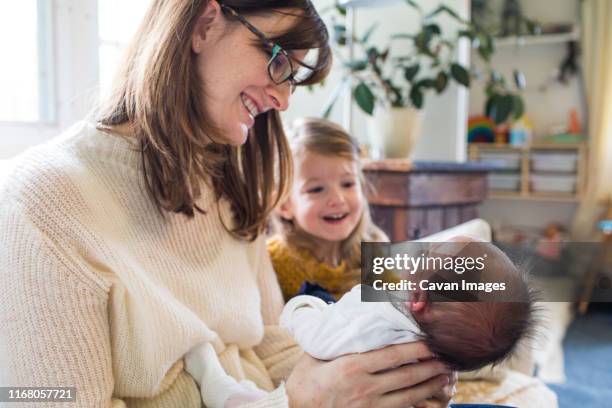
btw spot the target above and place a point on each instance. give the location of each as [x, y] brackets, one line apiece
[526, 173]
[527, 40]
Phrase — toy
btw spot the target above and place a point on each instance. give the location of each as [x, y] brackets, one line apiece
[481, 129]
[521, 132]
[551, 244]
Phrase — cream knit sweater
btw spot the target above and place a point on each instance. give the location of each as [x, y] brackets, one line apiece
[102, 293]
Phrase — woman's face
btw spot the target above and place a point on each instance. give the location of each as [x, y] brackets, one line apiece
[232, 64]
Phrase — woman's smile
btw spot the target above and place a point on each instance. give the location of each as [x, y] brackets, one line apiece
[251, 107]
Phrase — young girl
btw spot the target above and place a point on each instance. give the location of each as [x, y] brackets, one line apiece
[325, 217]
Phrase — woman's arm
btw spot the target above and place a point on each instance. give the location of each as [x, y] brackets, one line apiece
[272, 301]
[277, 350]
[54, 329]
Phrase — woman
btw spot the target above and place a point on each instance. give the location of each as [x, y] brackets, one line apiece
[133, 238]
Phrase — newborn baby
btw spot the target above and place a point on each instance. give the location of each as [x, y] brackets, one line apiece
[466, 335]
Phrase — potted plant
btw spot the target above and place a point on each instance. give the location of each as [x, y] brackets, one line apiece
[390, 83]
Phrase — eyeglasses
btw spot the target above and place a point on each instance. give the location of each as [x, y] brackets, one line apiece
[280, 67]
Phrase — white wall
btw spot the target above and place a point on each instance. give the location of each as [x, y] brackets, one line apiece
[443, 133]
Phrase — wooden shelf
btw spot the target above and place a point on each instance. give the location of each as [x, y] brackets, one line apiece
[543, 39]
[537, 145]
[507, 195]
[524, 172]
[355, 4]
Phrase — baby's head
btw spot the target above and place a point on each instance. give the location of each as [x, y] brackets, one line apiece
[327, 203]
[482, 327]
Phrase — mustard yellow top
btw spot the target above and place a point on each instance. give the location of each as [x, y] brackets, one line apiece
[293, 266]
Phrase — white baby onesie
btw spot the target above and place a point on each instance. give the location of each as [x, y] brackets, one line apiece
[218, 390]
[327, 331]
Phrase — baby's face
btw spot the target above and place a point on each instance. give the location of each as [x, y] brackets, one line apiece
[327, 199]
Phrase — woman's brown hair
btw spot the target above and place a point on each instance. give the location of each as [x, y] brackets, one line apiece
[326, 138]
[157, 94]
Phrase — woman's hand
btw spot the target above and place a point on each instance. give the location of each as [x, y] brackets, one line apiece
[443, 397]
[380, 378]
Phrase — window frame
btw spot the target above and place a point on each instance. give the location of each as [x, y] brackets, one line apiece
[70, 77]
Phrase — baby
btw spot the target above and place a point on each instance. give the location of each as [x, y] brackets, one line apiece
[466, 335]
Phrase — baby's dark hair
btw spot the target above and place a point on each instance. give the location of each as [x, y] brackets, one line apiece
[472, 335]
[481, 328]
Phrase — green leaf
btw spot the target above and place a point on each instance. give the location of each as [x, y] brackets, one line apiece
[466, 33]
[426, 83]
[485, 46]
[500, 107]
[460, 74]
[490, 104]
[385, 55]
[372, 54]
[489, 90]
[413, 4]
[441, 81]
[341, 10]
[411, 71]
[421, 42]
[368, 33]
[416, 97]
[518, 106]
[358, 65]
[433, 28]
[364, 98]
[435, 12]
[519, 79]
[339, 35]
[447, 10]
[396, 94]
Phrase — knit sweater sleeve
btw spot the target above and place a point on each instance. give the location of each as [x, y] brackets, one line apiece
[278, 351]
[55, 330]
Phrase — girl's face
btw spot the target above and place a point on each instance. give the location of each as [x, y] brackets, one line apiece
[326, 200]
[232, 64]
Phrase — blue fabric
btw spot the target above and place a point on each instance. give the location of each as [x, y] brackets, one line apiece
[479, 406]
[588, 362]
[313, 289]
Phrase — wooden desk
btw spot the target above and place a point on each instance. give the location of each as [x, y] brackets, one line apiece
[411, 200]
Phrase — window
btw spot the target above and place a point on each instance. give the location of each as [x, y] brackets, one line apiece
[26, 76]
[115, 31]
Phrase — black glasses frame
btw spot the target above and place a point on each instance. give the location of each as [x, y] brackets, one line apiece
[276, 49]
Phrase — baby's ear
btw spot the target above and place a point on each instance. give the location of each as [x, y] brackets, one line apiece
[285, 210]
[419, 301]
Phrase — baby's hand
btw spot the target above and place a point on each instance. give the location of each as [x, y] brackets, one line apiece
[249, 394]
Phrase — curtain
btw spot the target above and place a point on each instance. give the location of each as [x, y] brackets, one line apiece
[597, 69]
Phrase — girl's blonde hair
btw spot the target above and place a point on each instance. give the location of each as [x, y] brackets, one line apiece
[321, 136]
[157, 94]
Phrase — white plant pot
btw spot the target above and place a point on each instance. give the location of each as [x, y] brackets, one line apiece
[393, 132]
